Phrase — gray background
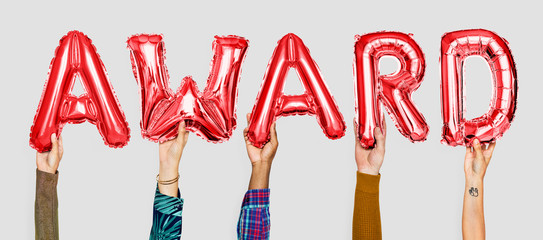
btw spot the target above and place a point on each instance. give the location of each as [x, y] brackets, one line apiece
[107, 193]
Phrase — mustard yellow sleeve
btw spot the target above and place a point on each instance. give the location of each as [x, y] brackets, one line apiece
[367, 216]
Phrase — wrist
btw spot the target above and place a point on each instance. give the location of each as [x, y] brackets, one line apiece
[47, 169]
[369, 171]
[169, 160]
[261, 165]
[168, 170]
[168, 185]
[260, 176]
[474, 181]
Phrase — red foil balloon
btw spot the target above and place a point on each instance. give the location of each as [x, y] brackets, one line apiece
[76, 56]
[271, 103]
[394, 90]
[210, 114]
[455, 48]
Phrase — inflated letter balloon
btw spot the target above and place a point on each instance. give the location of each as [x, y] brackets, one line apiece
[394, 90]
[210, 114]
[271, 103]
[455, 48]
[76, 56]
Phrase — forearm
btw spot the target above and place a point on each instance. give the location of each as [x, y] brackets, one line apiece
[260, 176]
[168, 171]
[367, 215]
[46, 206]
[473, 221]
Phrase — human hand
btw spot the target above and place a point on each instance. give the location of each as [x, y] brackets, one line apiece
[265, 155]
[477, 159]
[170, 151]
[261, 159]
[169, 156]
[49, 161]
[369, 161]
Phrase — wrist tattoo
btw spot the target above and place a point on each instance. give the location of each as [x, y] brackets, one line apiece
[474, 192]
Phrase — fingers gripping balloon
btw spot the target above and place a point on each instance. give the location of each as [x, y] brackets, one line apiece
[271, 103]
[210, 114]
[455, 48]
[76, 56]
[394, 90]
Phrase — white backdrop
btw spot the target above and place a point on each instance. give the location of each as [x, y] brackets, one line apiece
[107, 193]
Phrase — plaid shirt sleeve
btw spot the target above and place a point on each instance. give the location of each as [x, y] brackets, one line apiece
[254, 219]
[166, 217]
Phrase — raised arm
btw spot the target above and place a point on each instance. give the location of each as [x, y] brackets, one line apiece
[46, 205]
[254, 219]
[475, 164]
[168, 204]
[367, 215]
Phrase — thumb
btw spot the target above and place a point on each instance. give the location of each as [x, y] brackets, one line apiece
[182, 133]
[355, 127]
[54, 142]
[273, 134]
[478, 149]
[379, 137]
[182, 127]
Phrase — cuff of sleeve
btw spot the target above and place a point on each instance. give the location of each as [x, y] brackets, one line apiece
[46, 179]
[367, 182]
[168, 204]
[256, 198]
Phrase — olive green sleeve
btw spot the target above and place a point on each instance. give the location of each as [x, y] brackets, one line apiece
[46, 206]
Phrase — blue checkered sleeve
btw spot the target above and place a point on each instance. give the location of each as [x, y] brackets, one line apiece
[254, 219]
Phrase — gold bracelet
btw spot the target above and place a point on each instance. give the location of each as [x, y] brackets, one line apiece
[167, 182]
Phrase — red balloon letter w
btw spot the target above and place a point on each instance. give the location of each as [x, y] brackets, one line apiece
[211, 114]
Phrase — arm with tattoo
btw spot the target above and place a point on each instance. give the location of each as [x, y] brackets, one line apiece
[475, 164]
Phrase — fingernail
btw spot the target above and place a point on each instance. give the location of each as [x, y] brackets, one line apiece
[476, 141]
[54, 135]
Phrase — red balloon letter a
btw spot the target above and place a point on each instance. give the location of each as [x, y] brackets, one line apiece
[211, 114]
[76, 56]
[272, 103]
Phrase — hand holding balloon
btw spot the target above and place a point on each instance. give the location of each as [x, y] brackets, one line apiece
[49, 161]
[369, 161]
[170, 155]
[475, 164]
[477, 160]
[261, 158]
